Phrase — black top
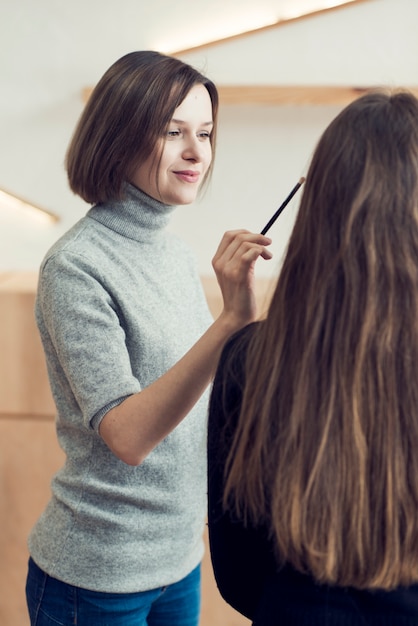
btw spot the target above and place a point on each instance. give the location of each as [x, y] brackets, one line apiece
[244, 565]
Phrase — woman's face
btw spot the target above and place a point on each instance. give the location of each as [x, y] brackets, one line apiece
[186, 153]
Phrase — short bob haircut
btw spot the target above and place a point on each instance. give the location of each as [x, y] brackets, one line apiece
[126, 115]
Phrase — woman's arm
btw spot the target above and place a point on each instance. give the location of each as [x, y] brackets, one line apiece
[139, 423]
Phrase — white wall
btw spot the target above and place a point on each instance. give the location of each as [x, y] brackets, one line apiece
[51, 49]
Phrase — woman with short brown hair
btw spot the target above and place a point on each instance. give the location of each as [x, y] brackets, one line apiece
[131, 349]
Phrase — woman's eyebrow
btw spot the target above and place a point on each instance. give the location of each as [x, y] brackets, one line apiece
[176, 121]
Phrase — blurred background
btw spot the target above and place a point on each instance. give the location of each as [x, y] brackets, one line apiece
[53, 51]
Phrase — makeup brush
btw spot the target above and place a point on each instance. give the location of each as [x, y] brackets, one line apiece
[282, 206]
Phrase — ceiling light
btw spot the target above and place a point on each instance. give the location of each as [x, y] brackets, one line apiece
[246, 24]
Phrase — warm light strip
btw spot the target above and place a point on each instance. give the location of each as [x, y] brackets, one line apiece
[320, 8]
[11, 202]
[223, 30]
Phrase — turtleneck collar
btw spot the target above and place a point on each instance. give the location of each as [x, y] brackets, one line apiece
[137, 216]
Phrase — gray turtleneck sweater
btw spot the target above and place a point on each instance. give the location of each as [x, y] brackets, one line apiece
[119, 302]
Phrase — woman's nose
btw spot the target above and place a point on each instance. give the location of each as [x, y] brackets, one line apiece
[194, 149]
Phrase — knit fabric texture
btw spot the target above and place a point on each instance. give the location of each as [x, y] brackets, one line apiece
[119, 302]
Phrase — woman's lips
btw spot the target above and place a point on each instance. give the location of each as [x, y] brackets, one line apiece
[189, 176]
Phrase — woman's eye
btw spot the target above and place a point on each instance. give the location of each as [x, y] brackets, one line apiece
[174, 133]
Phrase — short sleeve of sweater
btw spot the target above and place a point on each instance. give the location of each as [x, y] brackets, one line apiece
[82, 335]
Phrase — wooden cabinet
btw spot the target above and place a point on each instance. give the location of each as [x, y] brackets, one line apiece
[29, 455]
[29, 452]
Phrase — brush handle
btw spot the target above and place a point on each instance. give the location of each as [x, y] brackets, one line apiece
[282, 206]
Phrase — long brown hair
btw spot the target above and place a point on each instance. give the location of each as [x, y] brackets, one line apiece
[126, 115]
[326, 450]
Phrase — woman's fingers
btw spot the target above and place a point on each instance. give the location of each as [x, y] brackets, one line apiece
[239, 248]
[234, 267]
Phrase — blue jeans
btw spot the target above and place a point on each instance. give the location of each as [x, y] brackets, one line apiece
[54, 603]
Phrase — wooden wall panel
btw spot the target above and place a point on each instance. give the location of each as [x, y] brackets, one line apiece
[29, 456]
[24, 386]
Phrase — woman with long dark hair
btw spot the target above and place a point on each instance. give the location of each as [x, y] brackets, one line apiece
[313, 428]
